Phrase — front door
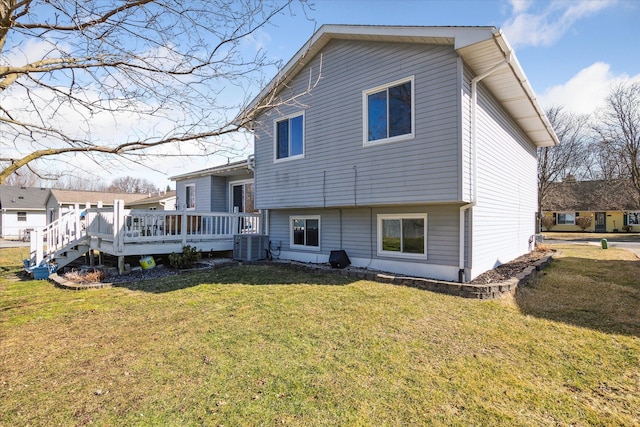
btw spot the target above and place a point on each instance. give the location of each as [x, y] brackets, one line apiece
[601, 222]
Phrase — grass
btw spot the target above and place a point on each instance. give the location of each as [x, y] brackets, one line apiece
[263, 345]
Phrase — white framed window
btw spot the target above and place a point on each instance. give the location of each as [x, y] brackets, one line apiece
[22, 216]
[633, 218]
[289, 137]
[402, 235]
[566, 218]
[389, 112]
[190, 196]
[305, 232]
[241, 196]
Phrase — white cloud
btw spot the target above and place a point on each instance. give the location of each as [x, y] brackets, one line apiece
[533, 26]
[585, 92]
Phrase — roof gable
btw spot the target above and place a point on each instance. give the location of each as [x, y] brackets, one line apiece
[482, 49]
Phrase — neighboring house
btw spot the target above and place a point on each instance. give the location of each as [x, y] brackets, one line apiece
[62, 201]
[411, 148]
[22, 209]
[158, 202]
[226, 188]
[612, 206]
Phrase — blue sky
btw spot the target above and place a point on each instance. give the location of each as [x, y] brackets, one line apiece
[571, 51]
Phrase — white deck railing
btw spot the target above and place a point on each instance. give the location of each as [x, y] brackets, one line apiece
[123, 227]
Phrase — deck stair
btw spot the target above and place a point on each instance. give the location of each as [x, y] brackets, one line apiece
[60, 243]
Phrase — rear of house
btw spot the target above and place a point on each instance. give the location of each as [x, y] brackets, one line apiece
[392, 152]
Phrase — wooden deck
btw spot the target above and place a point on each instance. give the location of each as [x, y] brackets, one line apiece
[124, 232]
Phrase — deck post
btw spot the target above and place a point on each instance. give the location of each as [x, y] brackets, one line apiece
[37, 247]
[118, 227]
[120, 264]
[183, 227]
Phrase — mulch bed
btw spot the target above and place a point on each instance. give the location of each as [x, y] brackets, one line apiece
[509, 269]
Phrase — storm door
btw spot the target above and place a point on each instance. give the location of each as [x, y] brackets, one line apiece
[601, 222]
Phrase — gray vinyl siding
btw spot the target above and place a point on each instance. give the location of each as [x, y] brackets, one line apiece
[504, 215]
[337, 171]
[355, 231]
[203, 193]
[219, 194]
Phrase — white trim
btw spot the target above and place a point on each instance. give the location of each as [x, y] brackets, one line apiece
[305, 247]
[401, 216]
[230, 191]
[275, 137]
[365, 114]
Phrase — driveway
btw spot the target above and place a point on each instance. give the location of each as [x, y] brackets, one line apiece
[13, 244]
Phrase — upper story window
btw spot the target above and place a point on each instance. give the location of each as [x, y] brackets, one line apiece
[289, 137]
[190, 196]
[389, 112]
[22, 216]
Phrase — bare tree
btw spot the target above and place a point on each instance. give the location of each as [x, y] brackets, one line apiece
[81, 79]
[618, 128]
[129, 184]
[566, 160]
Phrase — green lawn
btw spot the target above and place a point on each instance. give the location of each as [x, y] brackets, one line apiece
[266, 345]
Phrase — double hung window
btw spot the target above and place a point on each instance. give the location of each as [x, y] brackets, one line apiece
[289, 137]
[389, 112]
[403, 235]
[633, 218]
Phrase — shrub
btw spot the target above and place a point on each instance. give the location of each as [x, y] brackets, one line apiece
[547, 222]
[186, 259]
[583, 222]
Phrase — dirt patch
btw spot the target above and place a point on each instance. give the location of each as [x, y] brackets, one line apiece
[509, 269]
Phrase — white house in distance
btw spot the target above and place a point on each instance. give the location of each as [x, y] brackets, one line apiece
[414, 151]
[22, 209]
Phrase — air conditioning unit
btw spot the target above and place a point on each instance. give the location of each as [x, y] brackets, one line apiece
[250, 247]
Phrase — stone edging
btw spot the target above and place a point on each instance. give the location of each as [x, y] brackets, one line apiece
[465, 290]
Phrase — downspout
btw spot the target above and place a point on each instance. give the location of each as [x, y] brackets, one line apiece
[474, 159]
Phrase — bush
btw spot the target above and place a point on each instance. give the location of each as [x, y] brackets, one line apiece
[547, 222]
[583, 222]
[186, 259]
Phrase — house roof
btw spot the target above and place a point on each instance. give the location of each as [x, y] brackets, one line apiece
[592, 196]
[17, 198]
[154, 198]
[481, 48]
[82, 197]
[223, 170]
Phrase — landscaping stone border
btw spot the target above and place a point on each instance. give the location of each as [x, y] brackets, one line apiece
[464, 290]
